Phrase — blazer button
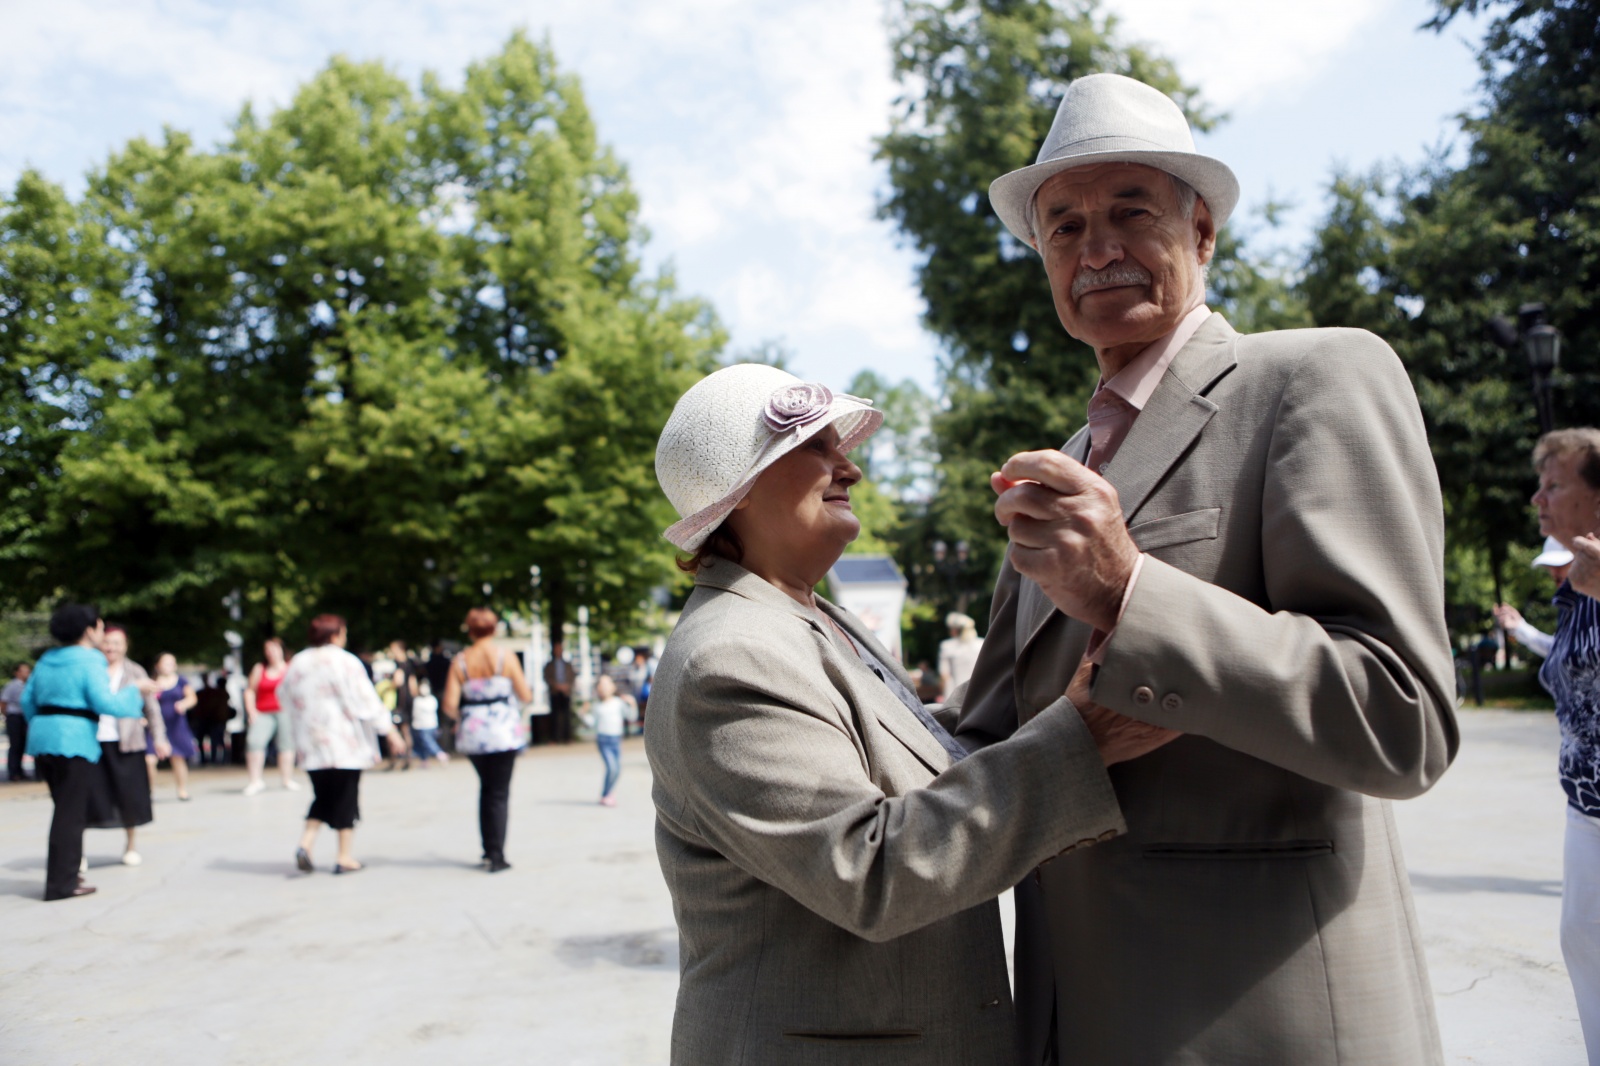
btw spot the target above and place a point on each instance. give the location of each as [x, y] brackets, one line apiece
[1171, 702]
[1143, 694]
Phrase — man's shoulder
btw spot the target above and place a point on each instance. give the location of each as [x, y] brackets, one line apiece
[1289, 345]
[1353, 359]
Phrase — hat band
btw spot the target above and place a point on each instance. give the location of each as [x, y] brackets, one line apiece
[1124, 142]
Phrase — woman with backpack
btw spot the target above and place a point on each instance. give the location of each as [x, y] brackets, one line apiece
[484, 696]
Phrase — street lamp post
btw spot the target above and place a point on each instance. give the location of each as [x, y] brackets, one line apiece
[1541, 347]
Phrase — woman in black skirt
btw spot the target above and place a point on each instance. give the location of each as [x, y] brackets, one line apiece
[120, 797]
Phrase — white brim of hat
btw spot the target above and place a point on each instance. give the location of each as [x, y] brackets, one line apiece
[1009, 194]
[1549, 557]
[855, 421]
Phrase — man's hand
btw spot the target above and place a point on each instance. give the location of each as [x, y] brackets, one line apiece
[1118, 737]
[1585, 573]
[1067, 533]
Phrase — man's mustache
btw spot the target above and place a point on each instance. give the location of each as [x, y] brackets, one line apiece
[1121, 274]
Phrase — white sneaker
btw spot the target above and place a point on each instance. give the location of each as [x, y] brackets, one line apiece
[131, 858]
[83, 865]
[254, 788]
[291, 785]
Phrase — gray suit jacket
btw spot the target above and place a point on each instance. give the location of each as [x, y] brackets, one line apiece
[833, 876]
[1289, 621]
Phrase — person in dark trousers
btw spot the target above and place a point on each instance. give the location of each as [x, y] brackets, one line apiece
[558, 680]
[63, 702]
[16, 721]
[484, 695]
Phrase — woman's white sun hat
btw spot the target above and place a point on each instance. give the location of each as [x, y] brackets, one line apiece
[1555, 554]
[1107, 118]
[733, 425]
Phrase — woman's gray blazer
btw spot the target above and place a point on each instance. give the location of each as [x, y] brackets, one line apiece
[131, 731]
[832, 874]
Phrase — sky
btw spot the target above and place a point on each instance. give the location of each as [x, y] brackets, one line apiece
[748, 125]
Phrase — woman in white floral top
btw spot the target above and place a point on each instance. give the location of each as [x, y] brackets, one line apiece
[338, 718]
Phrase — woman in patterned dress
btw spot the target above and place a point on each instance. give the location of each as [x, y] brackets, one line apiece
[1568, 501]
[337, 719]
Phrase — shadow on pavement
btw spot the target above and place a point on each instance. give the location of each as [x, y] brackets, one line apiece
[1484, 883]
[651, 949]
[27, 889]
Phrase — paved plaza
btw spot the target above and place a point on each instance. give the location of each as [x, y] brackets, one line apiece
[216, 951]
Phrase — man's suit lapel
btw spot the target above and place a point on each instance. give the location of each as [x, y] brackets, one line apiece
[1162, 434]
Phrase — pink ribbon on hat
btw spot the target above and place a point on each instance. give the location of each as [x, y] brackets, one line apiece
[796, 405]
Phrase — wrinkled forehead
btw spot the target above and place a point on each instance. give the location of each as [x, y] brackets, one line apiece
[1105, 181]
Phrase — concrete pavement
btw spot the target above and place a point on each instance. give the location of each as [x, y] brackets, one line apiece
[216, 951]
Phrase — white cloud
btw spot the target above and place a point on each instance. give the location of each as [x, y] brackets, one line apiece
[1241, 51]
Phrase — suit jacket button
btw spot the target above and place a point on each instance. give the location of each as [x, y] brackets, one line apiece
[1171, 701]
[1143, 694]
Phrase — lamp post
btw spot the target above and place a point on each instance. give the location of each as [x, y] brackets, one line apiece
[951, 566]
[536, 653]
[1541, 347]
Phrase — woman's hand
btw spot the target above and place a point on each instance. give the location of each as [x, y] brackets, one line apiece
[1118, 737]
[148, 687]
[1585, 573]
[1507, 616]
[163, 750]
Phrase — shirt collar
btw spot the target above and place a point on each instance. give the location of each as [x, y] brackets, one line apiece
[1137, 381]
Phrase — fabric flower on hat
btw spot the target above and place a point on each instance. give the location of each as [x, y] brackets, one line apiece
[796, 405]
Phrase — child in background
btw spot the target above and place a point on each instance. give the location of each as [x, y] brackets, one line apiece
[608, 717]
[425, 725]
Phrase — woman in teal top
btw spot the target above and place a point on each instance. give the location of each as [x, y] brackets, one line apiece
[69, 690]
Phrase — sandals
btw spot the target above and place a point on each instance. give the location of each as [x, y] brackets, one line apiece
[302, 859]
[339, 868]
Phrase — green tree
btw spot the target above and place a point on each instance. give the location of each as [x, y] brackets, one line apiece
[1424, 257]
[379, 353]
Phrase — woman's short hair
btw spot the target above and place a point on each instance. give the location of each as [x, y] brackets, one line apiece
[482, 622]
[112, 627]
[723, 543]
[1584, 441]
[71, 621]
[324, 627]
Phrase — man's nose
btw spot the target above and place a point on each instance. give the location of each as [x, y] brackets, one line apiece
[1101, 247]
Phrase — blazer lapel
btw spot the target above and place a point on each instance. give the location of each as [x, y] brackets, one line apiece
[1173, 419]
[886, 707]
[1162, 434]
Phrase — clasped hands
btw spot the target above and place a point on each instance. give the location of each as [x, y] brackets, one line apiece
[1068, 536]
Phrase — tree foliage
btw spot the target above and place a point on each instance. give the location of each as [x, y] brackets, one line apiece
[384, 349]
[1424, 257]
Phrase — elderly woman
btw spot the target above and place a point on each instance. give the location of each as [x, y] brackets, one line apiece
[337, 718]
[1568, 501]
[121, 799]
[833, 855]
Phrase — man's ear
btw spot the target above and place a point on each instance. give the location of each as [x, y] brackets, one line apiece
[1205, 232]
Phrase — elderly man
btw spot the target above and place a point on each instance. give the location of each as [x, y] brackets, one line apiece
[1244, 547]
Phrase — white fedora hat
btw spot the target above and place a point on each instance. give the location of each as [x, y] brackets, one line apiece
[1107, 118]
[1555, 554]
[734, 424]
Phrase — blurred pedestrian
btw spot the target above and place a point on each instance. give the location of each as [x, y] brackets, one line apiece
[63, 701]
[1568, 502]
[16, 721]
[176, 696]
[558, 678]
[609, 716]
[208, 719]
[485, 694]
[425, 725]
[121, 796]
[959, 654]
[403, 686]
[1558, 560]
[268, 722]
[337, 718]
